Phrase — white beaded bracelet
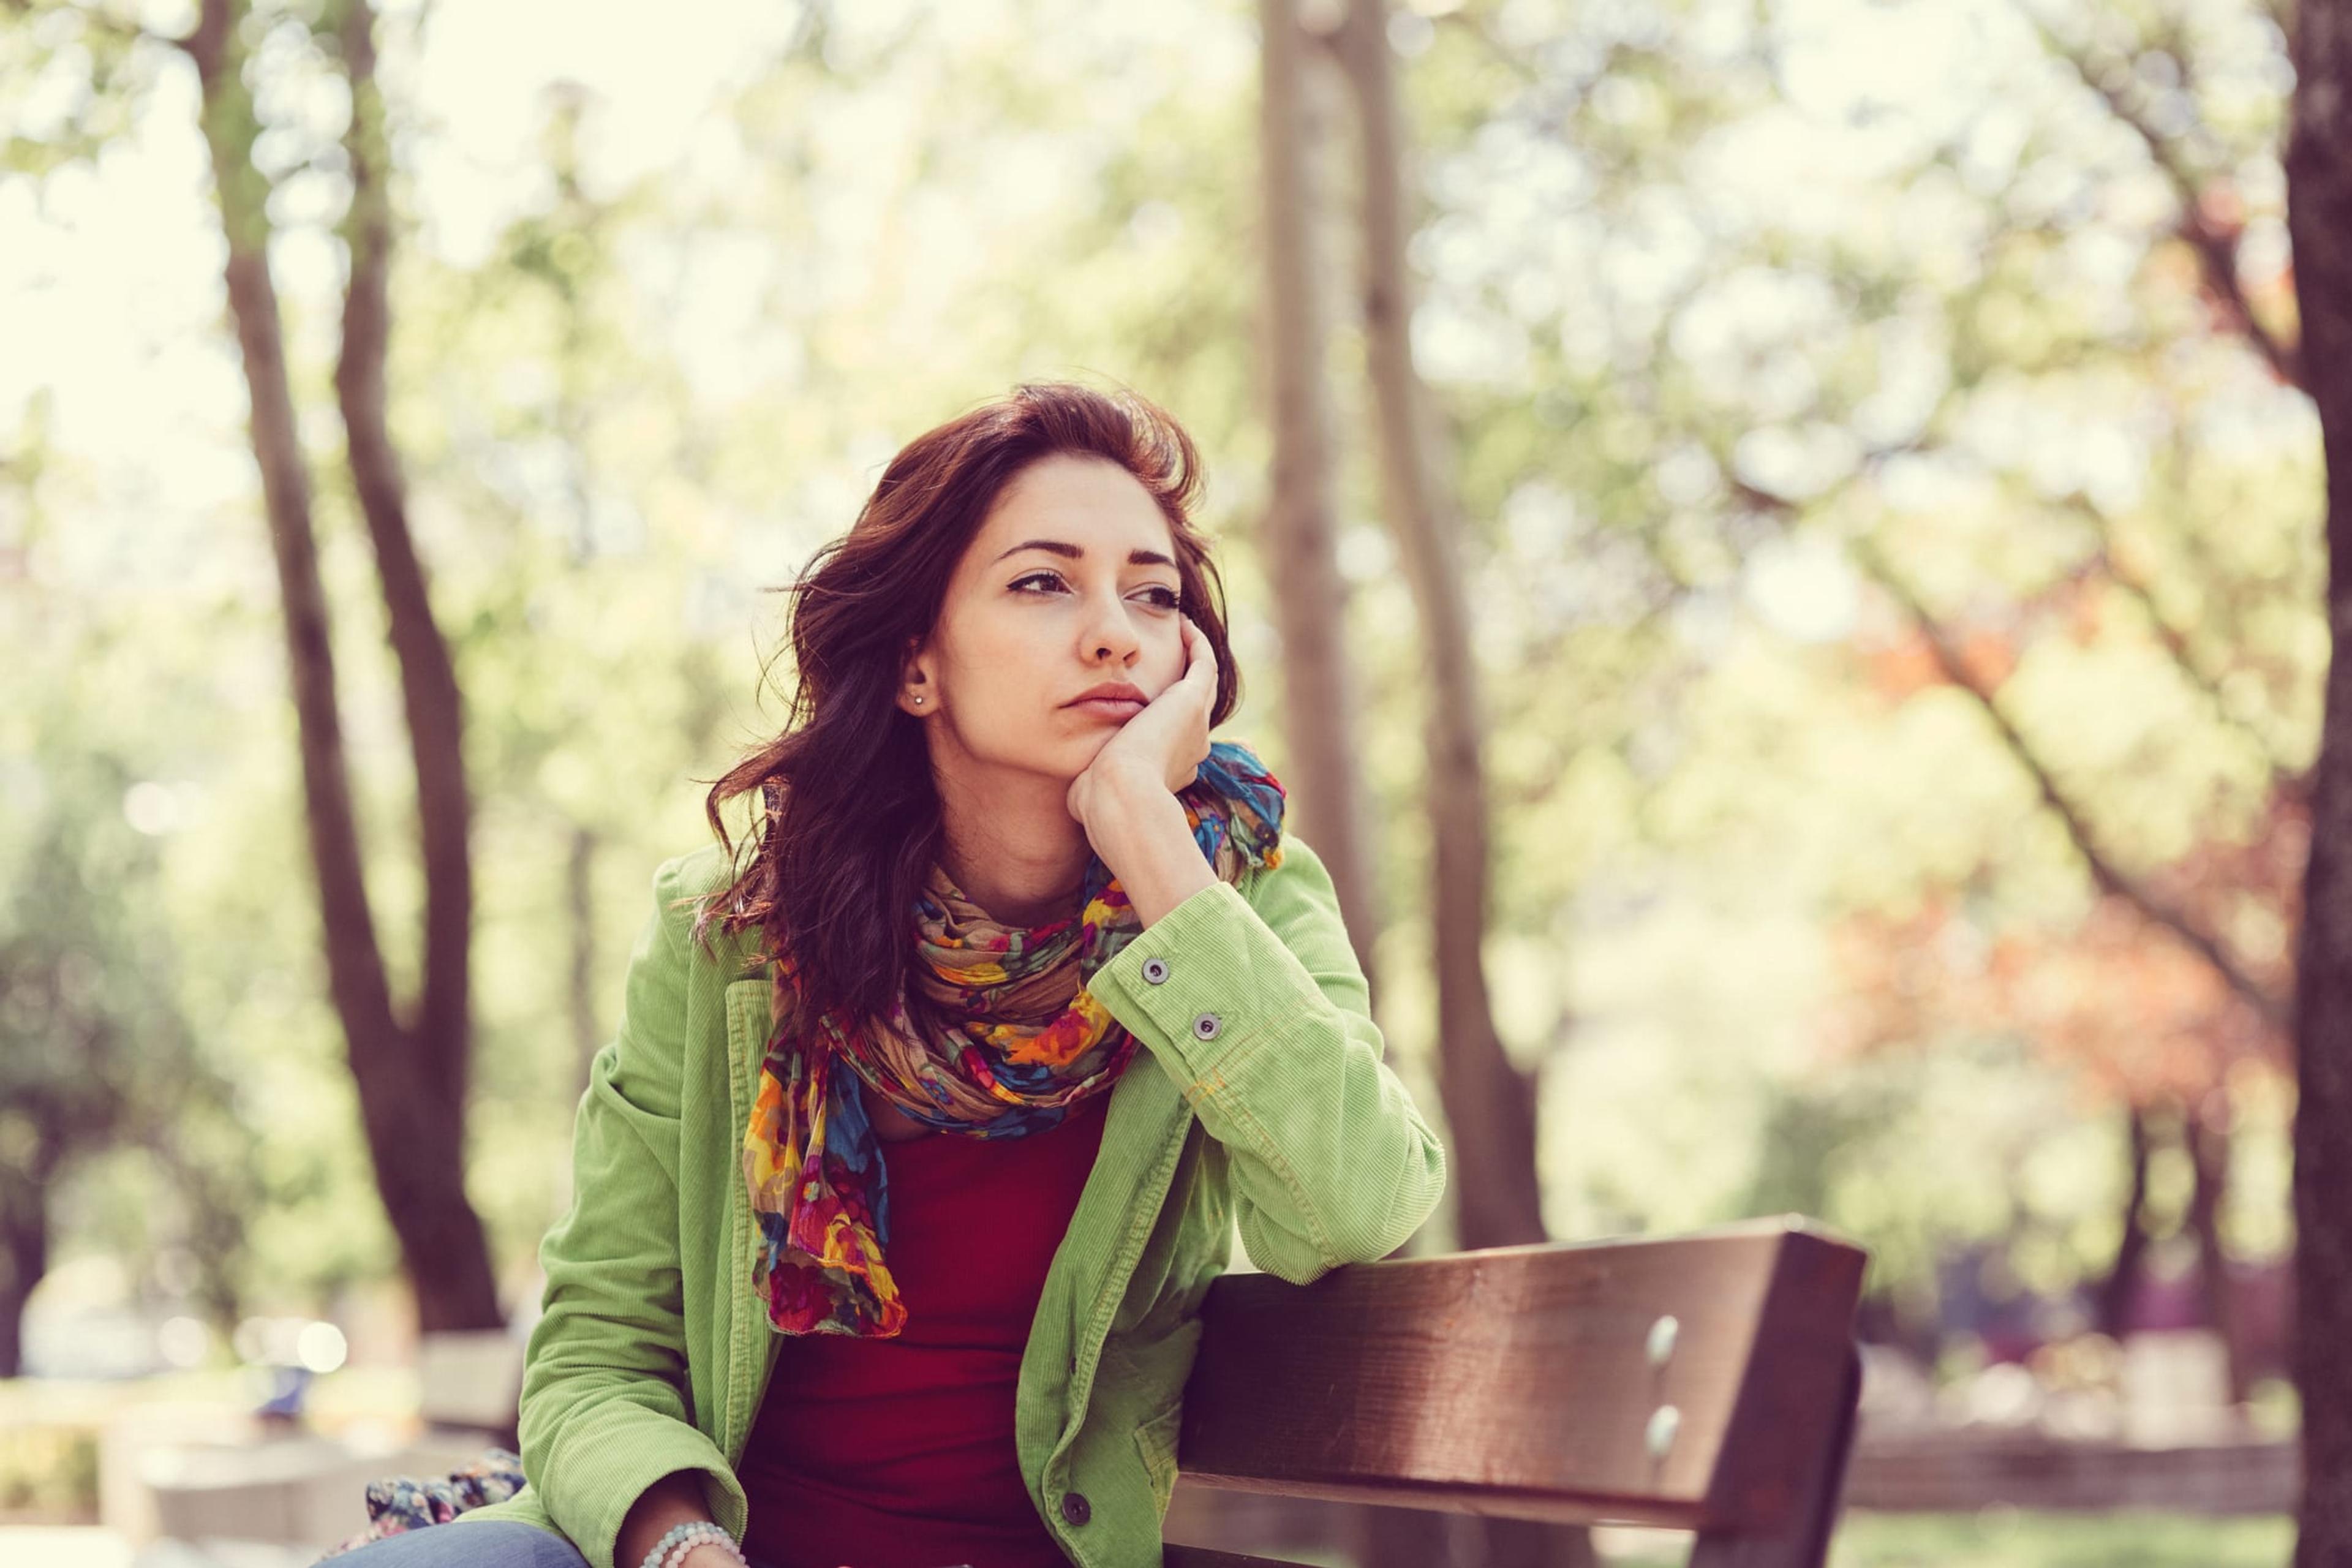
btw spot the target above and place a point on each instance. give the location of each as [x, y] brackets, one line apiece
[661, 1548]
[682, 1538]
[726, 1543]
[717, 1536]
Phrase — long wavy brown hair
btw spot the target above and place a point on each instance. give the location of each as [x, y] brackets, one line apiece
[849, 821]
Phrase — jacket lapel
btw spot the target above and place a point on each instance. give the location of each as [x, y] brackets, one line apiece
[747, 1358]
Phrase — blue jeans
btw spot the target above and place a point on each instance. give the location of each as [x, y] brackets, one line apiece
[492, 1543]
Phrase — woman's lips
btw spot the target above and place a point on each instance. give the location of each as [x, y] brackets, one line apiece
[1110, 707]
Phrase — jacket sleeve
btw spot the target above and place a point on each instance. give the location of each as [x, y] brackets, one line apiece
[603, 1408]
[1262, 1014]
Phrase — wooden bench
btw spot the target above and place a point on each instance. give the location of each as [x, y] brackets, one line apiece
[1705, 1382]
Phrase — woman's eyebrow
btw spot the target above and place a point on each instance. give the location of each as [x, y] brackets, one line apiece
[1073, 552]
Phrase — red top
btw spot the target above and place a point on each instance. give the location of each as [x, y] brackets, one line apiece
[898, 1453]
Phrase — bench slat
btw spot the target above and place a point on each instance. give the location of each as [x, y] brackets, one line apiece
[1515, 1380]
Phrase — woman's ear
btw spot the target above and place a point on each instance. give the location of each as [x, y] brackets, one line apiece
[917, 693]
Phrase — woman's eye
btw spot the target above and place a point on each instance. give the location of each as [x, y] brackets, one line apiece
[1167, 597]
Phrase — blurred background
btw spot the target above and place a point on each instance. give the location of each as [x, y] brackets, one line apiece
[1812, 500]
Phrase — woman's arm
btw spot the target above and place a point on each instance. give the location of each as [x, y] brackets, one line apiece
[1262, 1016]
[604, 1405]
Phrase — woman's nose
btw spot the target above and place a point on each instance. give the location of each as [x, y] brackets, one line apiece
[1110, 632]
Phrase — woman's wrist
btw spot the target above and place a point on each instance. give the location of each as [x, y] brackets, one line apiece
[1143, 837]
[676, 1499]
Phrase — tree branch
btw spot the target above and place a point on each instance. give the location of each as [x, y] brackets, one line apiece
[2216, 250]
[2283, 779]
[2109, 876]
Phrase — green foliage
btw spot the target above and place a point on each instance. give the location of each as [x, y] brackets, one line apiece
[99, 1069]
[49, 1473]
[70, 78]
[2004, 1538]
[1708, 308]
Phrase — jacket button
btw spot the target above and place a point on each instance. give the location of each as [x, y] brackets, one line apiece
[1155, 969]
[1207, 1025]
[1074, 1509]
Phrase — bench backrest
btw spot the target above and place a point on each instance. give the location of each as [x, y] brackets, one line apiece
[1705, 1382]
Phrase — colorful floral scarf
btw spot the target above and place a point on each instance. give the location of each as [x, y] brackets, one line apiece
[1020, 1042]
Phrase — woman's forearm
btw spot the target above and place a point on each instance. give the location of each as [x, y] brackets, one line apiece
[671, 1501]
[1141, 834]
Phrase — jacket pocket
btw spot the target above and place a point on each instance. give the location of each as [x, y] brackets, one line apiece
[1155, 1441]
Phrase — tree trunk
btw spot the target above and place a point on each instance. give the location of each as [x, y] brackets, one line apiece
[24, 1254]
[1489, 1102]
[428, 679]
[2121, 1286]
[1320, 697]
[456, 1287]
[1320, 700]
[411, 1108]
[2319, 219]
[2205, 1129]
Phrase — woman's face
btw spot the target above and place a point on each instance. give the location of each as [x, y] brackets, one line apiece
[1070, 583]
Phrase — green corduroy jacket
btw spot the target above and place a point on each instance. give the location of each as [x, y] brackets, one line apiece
[1259, 1104]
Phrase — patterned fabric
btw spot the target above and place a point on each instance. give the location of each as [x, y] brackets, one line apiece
[398, 1504]
[1011, 1039]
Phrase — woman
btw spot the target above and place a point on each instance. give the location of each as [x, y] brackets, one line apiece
[781, 1300]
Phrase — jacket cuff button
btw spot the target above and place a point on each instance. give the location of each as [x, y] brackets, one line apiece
[1155, 969]
[1207, 1025]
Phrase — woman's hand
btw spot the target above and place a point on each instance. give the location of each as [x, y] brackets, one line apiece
[1126, 799]
[1166, 740]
